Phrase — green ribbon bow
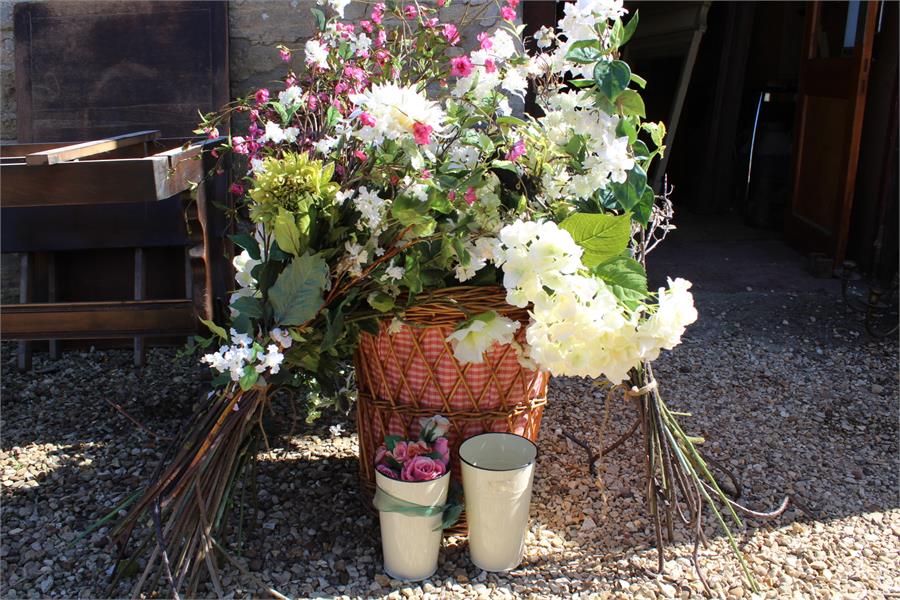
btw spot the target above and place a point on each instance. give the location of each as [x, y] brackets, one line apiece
[386, 502]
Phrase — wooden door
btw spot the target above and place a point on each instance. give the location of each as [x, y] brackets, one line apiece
[834, 72]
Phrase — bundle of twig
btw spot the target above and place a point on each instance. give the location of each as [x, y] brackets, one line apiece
[680, 482]
[187, 502]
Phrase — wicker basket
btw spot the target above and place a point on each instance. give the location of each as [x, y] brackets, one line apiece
[412, 373]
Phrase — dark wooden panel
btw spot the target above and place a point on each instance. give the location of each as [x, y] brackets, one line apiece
[85, 320]
[76, 227]
[87, 70]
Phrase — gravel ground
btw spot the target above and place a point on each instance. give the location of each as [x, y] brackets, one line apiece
[788, 390]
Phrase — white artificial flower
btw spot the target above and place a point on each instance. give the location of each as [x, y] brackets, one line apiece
[274, 133]
[395, 327]
[282, 336]
[503, 45]
[479, 334]
[396, 110]
[338, 6]
[241, 339]
[461, 156]
[257, 165]
[290, 134]
[362, 44]
[371, 208]
[395, 272]
[291, 96]
[271, 360]
[356, 257]
[515, 82]
[544, 37]
[316, 54]
[243, 268]
[326, 145]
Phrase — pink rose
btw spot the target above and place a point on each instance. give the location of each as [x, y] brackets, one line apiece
[451, 34]
[399, 452]
[422, 468]
[508, 13]
[380, 454]
[470, 196]
[517, 150]
[262, 96]
[386, 471]
[489, 65]
[442, 447]
[417, 449]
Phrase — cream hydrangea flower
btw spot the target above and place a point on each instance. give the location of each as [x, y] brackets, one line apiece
[477, 335]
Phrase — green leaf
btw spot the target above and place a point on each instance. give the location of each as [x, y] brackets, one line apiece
[631, 103]
[287, 234]
[629, 29]
[510, 121]
[320, 18]
[390, 441]
[410, 211]
[248, 378]
[296, 296]
[642, 83]
[380, 301]
[248, 306]
[625, 277]
[332, 116]
[657, 132]
[282, 112]
[585, 52]
[612, 77]
[215, 329]
[247, 242]
[602, 236]
[644, 207]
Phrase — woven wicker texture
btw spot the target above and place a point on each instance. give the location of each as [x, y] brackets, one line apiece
[410, 374]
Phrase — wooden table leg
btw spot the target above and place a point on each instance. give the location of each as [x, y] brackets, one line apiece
[140, 281]
[26, 271]
[51, 297]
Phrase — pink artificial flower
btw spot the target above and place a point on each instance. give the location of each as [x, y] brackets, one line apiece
[367, 119]
[422, 133]
[470, 196]
[410, 11]
[451, 34]
[285, 54]
[312, 103]
[254, 131]
[212, 133]
[508, 13]
[512, 3]
[432, 22]
[386, 471]
[441, 3]
[361, 155]
[517, 150]
[399, 452]
[236, 189]
[460, 66]
[380, 38]
[419, 448]
[422, 468]
[366, 25]
[254, 115]
[378, 12]
[489, 65]
[451, 195]
[382, 57]
[239, 145]
[442, 447]
[380, 454]
[290, 81]
[426, 174]
[394, 179]
[484, 39]
[345, 29]
[262, 96]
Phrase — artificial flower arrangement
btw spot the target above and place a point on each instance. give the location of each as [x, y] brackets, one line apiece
[425, 459]
[397, 163]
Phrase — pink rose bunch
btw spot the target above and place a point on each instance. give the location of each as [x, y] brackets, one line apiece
[423, 460]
